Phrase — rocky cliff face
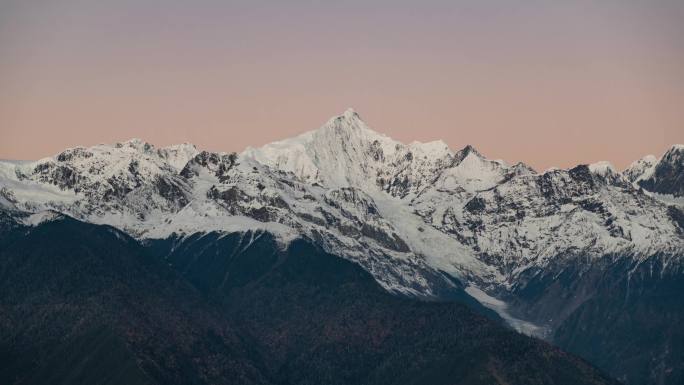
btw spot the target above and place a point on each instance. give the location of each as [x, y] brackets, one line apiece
[666, 175]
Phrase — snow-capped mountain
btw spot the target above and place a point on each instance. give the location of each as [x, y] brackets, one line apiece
[415, 209]
[511, 214]
[641, 169]
[664, 175]
[345, 152]
[422, 219]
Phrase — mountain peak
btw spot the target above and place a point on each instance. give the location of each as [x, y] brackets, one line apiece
[650, 158]
[135, 143]
[667, 175]
[349, 113]
[178, 155]
[641, 169]
[348, 120]
[677, 149]
[602, 168]
[182, 146]
[470, 149]
[466, 151]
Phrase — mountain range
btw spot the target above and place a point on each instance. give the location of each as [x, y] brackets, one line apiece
[413, 236]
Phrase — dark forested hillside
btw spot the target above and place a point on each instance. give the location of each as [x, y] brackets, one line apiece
[81, 303]
[84, 304]
[632, 327]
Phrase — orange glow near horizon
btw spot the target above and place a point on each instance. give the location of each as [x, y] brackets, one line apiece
[549, 85]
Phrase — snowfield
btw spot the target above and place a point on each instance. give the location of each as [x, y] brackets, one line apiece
[412, 214]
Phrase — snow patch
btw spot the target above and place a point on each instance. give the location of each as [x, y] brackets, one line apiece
[501, 308]
[41, 217]
[602, 168]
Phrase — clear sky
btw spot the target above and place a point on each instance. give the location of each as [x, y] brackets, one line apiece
[551, 83]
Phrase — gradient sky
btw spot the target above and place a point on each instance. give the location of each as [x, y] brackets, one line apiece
[551, 83]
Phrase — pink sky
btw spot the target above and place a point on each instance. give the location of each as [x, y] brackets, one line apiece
[550, 85]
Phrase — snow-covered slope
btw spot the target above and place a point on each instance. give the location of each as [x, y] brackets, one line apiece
[412, 214]
[662, 176]
[641, 169]
[345, 152]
